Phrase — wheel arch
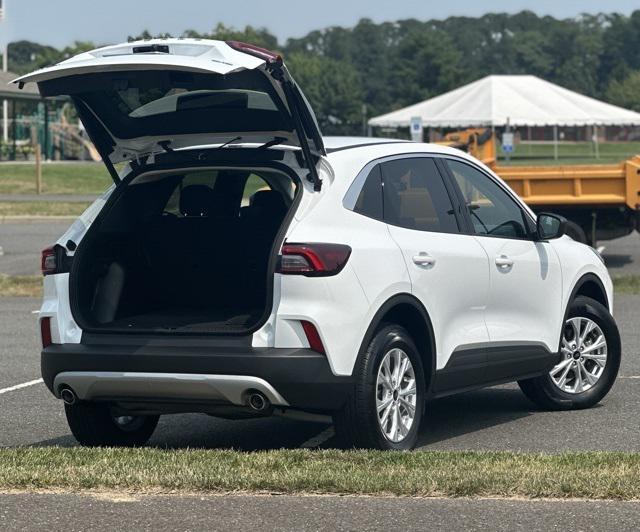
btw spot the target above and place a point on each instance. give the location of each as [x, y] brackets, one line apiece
[590, 285]
[407, 311]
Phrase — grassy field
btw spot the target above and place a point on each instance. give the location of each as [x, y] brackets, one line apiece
[571, 153]
[20, 285]
[41, 208]
[57, 178]
[590, 475]
[67, 178]
[627, 284]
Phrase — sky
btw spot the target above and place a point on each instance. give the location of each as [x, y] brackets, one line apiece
[60, 22]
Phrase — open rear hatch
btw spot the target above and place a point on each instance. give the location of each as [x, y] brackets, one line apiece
[142, 98]
[189, 250]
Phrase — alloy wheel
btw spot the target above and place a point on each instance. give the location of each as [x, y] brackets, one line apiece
[396, 395]
[584, 356]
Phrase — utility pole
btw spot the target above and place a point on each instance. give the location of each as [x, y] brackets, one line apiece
[4, 40]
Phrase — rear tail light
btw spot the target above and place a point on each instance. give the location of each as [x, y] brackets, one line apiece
[313, 337]
[45, 332]
[49, 262]
[313, 260]
[271, 58]
[55, 259]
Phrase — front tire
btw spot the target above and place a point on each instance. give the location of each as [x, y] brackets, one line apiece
[576, 232]
[591, 350]
[385, 408]
[96, 425]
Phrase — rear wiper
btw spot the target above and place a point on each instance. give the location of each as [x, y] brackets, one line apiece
[272, 142]
[235, 139]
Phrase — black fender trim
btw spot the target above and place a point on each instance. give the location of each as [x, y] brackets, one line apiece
[388, 305]
[587, 277]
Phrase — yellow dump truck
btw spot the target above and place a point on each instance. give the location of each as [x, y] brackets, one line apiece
[600, 201]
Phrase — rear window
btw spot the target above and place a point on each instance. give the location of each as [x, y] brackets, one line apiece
[139, 103]
[136, 104]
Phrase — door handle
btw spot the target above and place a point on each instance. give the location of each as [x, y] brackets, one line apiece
[503, 262]
[423, 259]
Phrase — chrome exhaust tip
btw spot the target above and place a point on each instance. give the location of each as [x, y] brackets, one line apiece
[258, 402]
[68, 396]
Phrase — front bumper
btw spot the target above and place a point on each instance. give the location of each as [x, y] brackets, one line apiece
[296, 378]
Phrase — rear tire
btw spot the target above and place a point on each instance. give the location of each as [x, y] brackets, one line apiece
[379, 386]
[95, 425]
[547, 394]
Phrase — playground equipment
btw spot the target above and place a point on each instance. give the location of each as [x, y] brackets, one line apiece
[59, 138]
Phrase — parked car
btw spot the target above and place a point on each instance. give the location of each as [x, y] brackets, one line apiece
[242, 265]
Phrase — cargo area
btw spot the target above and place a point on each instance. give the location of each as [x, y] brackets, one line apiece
[188, 251]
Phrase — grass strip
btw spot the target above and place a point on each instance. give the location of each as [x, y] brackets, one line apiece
[41, 208]
[31, 285]
[590, 475]
[627, 284]
[20, 285]
[57, 178]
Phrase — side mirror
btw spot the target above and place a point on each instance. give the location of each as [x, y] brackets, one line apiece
[550, 226]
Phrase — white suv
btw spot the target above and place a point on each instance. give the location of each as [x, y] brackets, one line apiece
[242, 265]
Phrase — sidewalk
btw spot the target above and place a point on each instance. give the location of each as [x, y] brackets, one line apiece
[121, 511]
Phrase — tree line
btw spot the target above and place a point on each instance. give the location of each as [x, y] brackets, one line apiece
[349, 74]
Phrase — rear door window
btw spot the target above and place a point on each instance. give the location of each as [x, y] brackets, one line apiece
[415, 196]
[254, 184]
[197, 183]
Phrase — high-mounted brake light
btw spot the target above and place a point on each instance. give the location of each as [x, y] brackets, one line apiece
[313, 260]
[270, 57]
[49, 263]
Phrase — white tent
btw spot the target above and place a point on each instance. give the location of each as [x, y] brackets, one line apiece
[517, 100]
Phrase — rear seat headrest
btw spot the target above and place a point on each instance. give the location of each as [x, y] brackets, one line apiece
[196, 200]
[268, 202]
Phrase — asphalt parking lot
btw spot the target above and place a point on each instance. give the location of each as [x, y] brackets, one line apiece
[22, 243]
[499, 418]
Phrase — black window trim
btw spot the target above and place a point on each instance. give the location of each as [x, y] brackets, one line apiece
[527, 219]
[353, 192]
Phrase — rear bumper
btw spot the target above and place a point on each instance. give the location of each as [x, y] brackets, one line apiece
[296, 378]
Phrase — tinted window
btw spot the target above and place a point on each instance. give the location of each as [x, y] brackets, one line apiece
[198, 183]
[415, 196]
[145, 103]
[369, 201]
[254, 184]
[492, 210]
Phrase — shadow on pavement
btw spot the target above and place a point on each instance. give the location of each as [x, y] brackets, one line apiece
[445, 419]
[470, 412]
[617, 261]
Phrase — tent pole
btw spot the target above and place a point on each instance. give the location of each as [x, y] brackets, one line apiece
[555, 142]
[5, 103]
[595, 140]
